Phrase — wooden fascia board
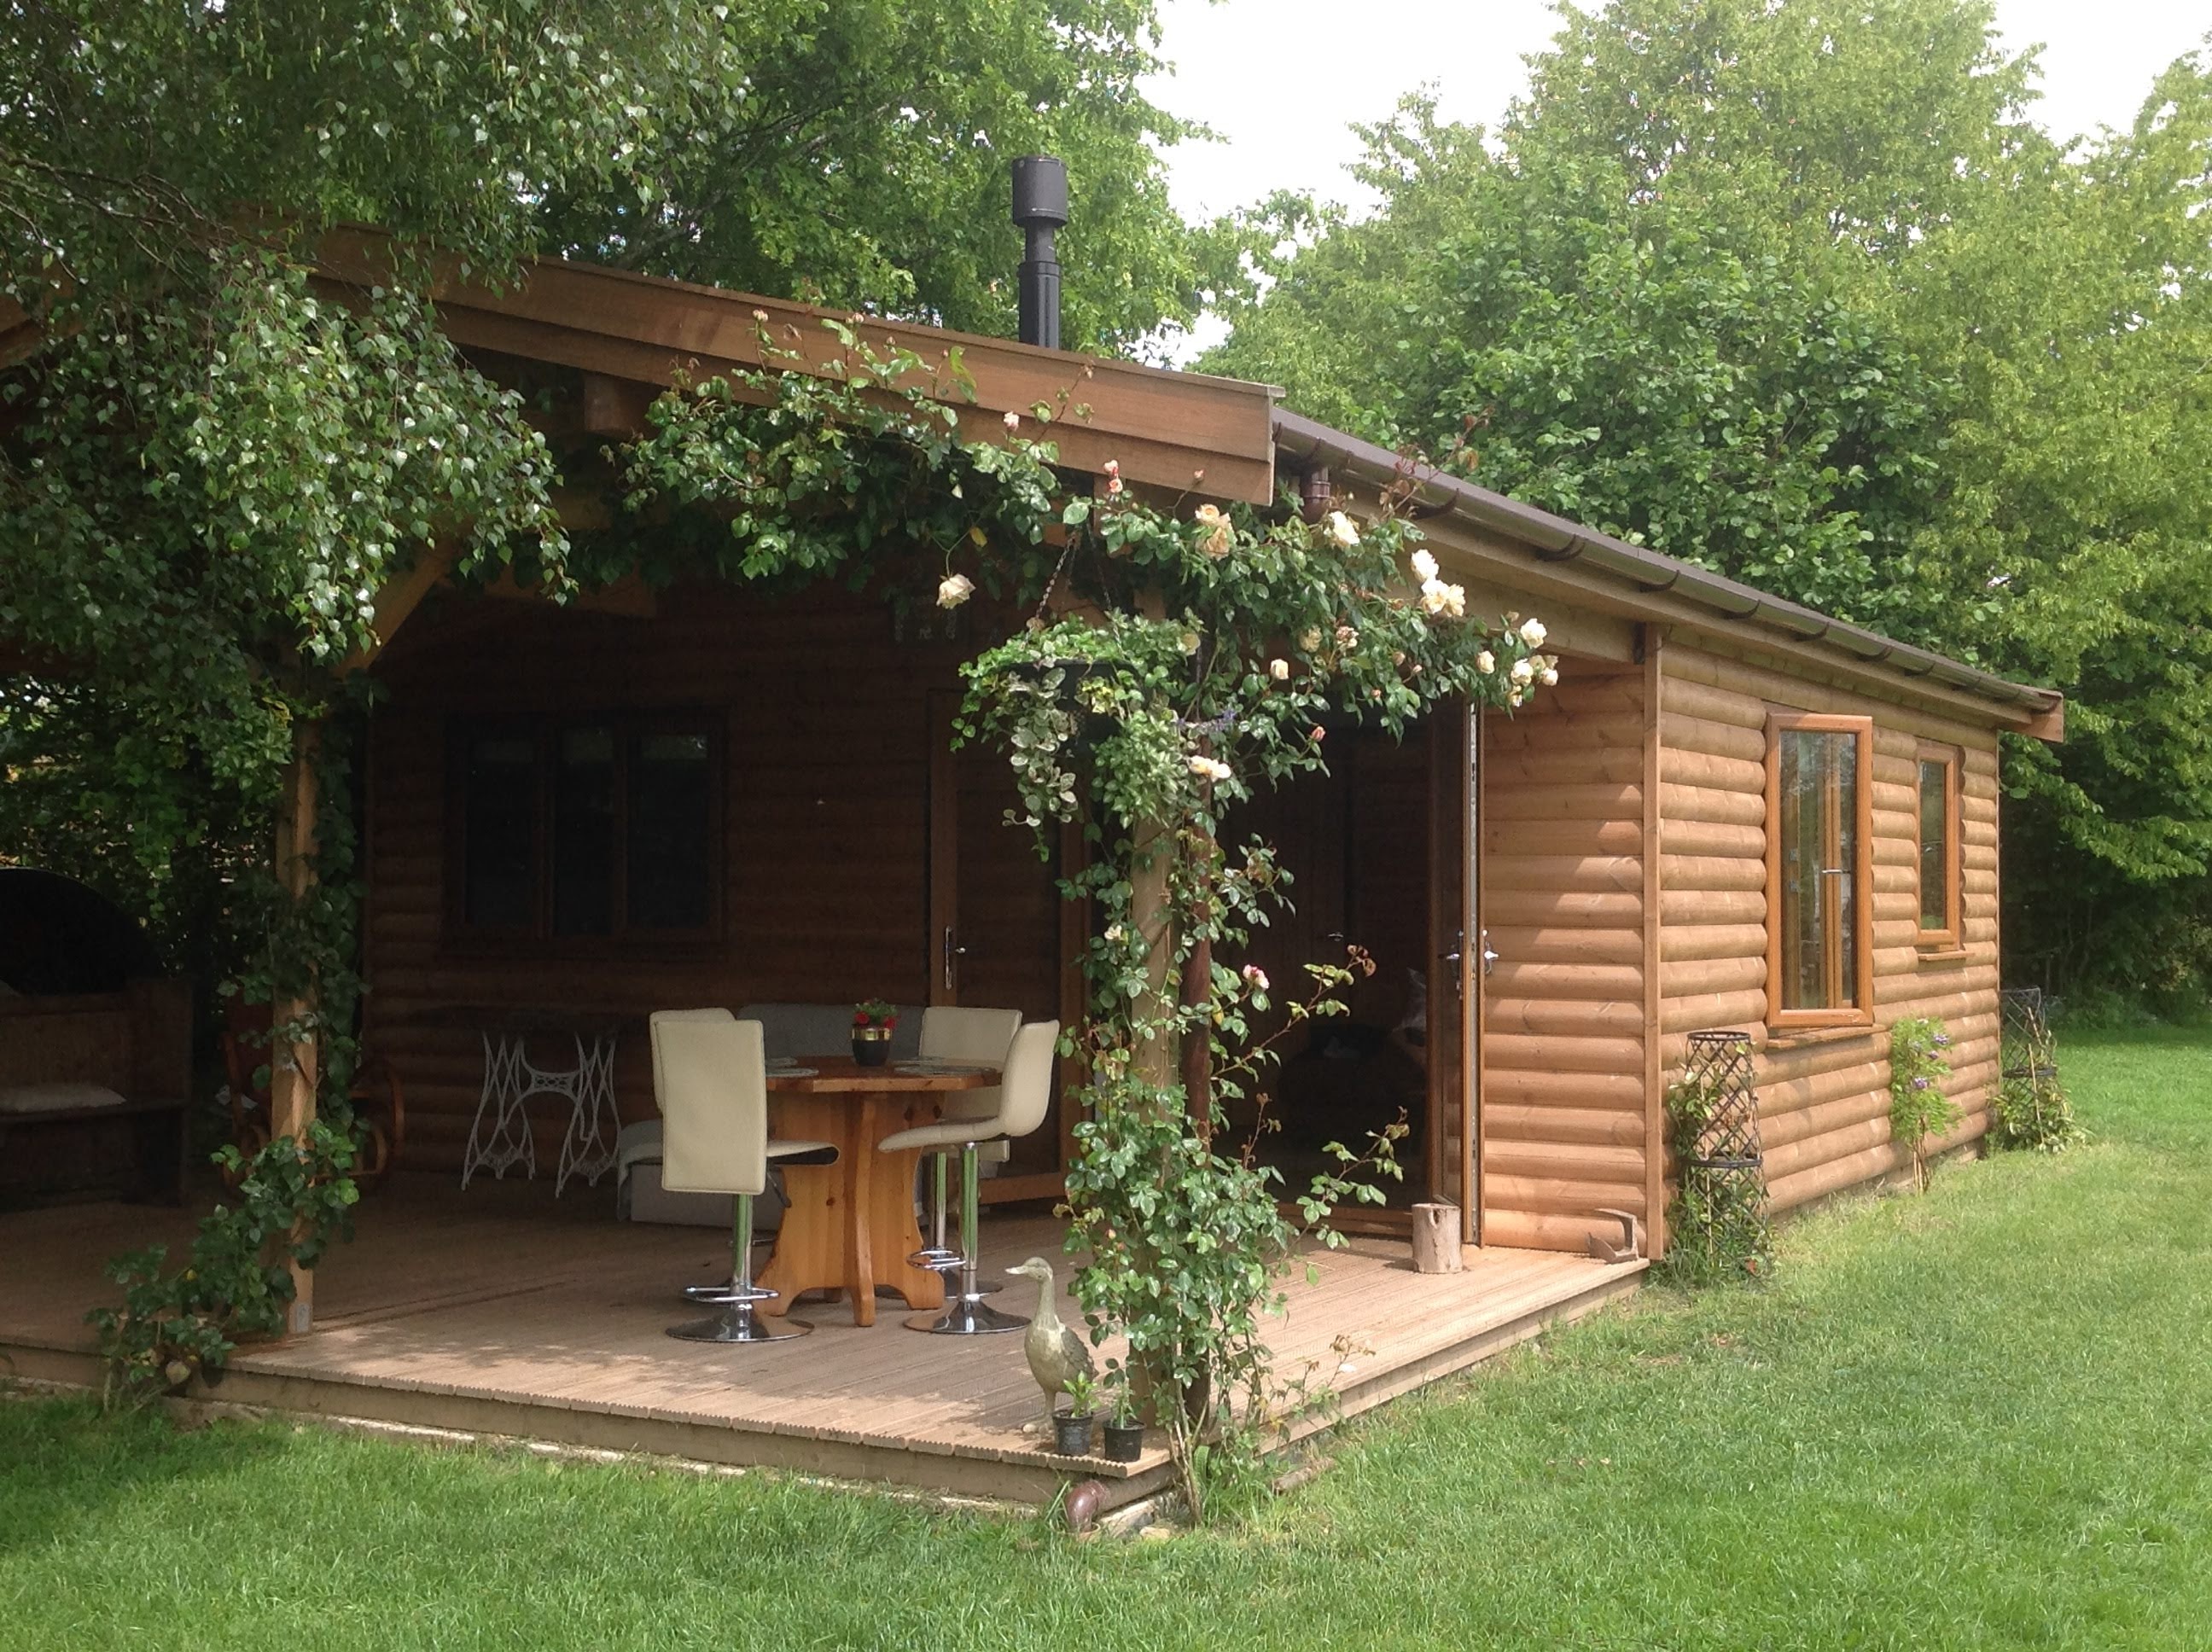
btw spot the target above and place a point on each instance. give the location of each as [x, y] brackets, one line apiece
[1165, 427]
[1507, 564]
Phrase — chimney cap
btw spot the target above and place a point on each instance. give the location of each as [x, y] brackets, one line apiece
[1040, 191]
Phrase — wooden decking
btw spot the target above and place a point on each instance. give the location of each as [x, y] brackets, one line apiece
[501, 1312]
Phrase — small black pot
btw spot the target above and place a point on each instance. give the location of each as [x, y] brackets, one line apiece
[1071, 1435]
[871, 1051]
[1124, 1441]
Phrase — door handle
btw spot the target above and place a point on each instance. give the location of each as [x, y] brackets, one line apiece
[953, 953]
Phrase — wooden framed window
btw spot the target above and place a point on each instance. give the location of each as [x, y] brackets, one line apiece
[1820, 870]
[585, 829]
[1935, 778]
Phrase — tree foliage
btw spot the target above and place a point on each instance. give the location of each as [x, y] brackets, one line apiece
[209, 465]
[1801, 293]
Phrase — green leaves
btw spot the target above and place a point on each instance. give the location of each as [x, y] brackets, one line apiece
[1804, 295]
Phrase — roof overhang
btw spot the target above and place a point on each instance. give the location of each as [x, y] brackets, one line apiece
[1644, 582]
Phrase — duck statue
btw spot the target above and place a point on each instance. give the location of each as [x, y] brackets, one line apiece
[1057, 1355]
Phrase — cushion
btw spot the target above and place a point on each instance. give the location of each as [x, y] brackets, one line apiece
[56, 1098]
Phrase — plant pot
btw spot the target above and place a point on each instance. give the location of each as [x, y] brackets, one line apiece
[872, 1046]
[1071, 1435]
[1124, 1443]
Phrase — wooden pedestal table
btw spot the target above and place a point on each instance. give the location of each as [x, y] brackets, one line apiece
[851, 1225]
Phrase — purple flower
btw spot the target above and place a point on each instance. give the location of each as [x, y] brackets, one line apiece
[1942, 1041]
[1920, 1083]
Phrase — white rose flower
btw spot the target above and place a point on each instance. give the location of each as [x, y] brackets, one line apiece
[1424, 567]
[1280, 670]
[1455, 601]
[955, 590]
[1524, 672]
[1343, 529]
[1432, 597]
[1210, 769]
[1253, 974]
[1310, 640]
[1485, 662]
[1548, 677]
[1013, 420]
[1533, 632]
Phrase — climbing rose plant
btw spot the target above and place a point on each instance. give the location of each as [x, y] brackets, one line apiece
[1180, 658]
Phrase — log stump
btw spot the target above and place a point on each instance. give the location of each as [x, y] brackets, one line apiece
[1436, 1239]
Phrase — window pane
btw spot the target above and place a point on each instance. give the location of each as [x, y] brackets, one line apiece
[1935, 845]
[671, 813]
[500, 815]
[1819, 853]
[584, 833]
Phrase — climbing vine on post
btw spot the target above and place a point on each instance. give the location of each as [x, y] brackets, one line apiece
[1180, 658]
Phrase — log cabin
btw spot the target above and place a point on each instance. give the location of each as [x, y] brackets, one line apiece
[1733, 812]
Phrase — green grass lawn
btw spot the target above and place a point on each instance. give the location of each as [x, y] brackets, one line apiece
[1981, 1419]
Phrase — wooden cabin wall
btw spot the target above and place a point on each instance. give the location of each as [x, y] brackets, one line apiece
[1824, 1096]
[825, 822]
[1565, 1113]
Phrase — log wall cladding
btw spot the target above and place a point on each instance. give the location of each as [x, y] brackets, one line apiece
[1824, 1095]
[822, 714]
[1565, 1120]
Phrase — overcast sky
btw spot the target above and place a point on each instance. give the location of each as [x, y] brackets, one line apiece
[1301, 70]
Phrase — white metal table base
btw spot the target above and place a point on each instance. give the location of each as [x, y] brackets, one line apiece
[587, 1148]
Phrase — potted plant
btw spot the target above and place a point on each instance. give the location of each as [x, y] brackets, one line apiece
[1070, 1428]
[1124, 1433]
[872, 1022]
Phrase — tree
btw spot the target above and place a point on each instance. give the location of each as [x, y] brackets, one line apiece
[1801, 293]
[209, 464]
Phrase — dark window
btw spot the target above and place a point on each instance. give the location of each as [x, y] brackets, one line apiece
[601, 826]
[500, 776]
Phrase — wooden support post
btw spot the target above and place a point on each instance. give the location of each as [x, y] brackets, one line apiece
[1153, 846]
[292, 1067]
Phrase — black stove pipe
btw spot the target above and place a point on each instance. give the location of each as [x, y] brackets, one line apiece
[1040, 210]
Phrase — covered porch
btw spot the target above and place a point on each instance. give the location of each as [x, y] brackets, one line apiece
[501, 1312]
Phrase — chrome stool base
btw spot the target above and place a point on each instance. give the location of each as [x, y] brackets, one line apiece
[967, 1317]
[738, 1323]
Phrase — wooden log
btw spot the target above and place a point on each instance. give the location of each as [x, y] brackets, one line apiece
[1594, 874]
[1707, 978]
[1678, 803]
[1561, 1196]
[1565, 1018]
[1512, 979]
[1684, 696]
[1693, 907]
[1564, 1161]
[1520, 1230]
[1436, 1239]
[1711, 874]
[1603, 1126]
[1712, 1010]
[1716, 739]
[1712, 771]
[1510, 1087]
[1528, 1052]
[1691, 840]
[1689, 943]
[1548, 908]
[1565, 943]
[1504, 803]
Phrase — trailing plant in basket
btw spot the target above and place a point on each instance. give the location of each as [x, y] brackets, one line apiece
[1178, 658]
[1918, 1109]
[292, 1198]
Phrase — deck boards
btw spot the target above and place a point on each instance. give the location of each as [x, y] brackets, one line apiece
[503, 1310]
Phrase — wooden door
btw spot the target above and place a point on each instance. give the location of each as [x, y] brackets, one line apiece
[1000, 935]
